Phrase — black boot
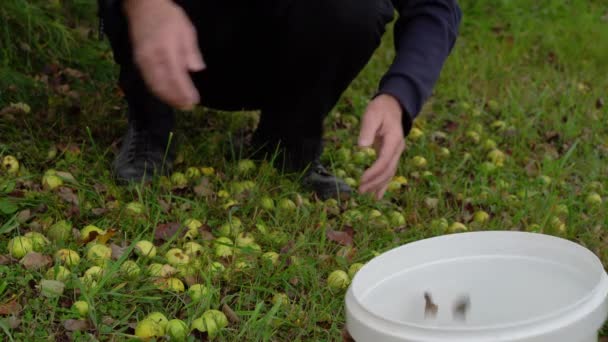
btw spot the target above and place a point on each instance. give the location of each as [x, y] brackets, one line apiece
[142, 155]
[301, 157]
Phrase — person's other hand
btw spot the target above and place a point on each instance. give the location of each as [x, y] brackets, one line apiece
[165, 49]
[381, 128]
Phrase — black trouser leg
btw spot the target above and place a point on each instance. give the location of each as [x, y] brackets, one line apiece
[145, 110]
[292, 60]
[322, 46]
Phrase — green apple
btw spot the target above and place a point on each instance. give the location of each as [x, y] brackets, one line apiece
[130, 269]
[338, 280]
[198, 292]
[60, 231]
[287, 205]
[68, 257]
[499, 125]
[593, 199]
[444, 152]
[10, 164]
[223, 247]
[419, 162]
[246, 166]
[179, 180]
[212, 322]
[207, 171]
[473, 136]
[135, 208]
[99, 254]
[480, 217]
[39, 241]
[354, 268]
[158, 318]
[177, 257]
[145, 249]
[18, 247]
[415, 134]
[58, 273]
[271, 258]
[81, 307]
[192, 249]
[85, 233]
[148, 329]
[396, 219]
[177, 330]
[51, 182]
[489, 144]
[497, 157]
[193, 173]
[457, 227]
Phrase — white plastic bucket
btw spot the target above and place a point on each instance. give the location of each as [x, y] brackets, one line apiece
[522, 287]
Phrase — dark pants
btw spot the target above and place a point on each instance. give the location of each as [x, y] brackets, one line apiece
[291, 59]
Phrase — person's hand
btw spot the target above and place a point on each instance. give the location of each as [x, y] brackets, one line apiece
[165, 49]
[381, 128]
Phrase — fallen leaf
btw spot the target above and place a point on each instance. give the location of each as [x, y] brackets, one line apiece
[347, 253]
[104, 238]
[203, 189]
[450, 126]
[117, 251]
[99, 211]
[24, 215]
[66, 176]
[35, 261]
[166, 207]
[431, 202]
[285, 249]
[76, 325]
[294, 281]
[11, 307]
[51, 288]
[532, 169]
[68, 195]
[72, 211]
[100, 188]
[192, 279]
[232, 316]
[12, 322]
[107, 320]
[344, 238]
[205, 233]
[5, 260]
[165, 231]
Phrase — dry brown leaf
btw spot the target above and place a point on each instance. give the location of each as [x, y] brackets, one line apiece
[99, 211]
[203, 189]
[68, 195]
[76, 325]
[165, 231]
[24, 216]
[232, 316]
[344, 238]
[100, 188]
[117, 251]
[166, 207]
[35, 261]
[5, 260]
[11, 307]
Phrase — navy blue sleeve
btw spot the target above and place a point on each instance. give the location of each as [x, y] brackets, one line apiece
[425, 33]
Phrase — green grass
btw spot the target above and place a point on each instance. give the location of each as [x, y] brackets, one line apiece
[526, 75]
